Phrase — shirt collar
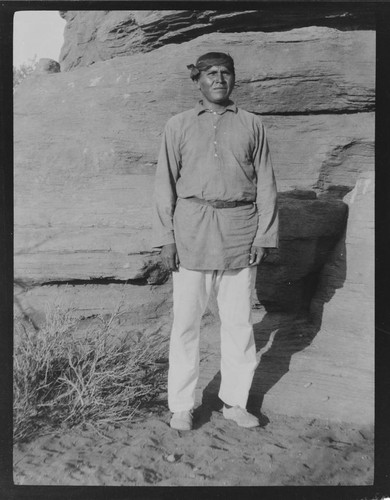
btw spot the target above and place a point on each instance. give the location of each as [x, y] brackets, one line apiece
[200, 108]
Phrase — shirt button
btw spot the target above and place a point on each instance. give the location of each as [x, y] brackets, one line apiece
[215, 142]
[215, 154]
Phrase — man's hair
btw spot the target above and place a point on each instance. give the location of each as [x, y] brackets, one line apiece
[206, 61]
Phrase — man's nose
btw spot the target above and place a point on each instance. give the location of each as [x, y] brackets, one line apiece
[220, 77]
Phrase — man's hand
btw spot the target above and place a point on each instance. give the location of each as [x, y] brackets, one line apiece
[257, 255]
[169, 257]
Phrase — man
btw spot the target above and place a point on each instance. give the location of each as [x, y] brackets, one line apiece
[215, 219]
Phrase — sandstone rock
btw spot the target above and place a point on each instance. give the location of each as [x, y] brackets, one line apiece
[355, 299]
[277, 73]
[92, 36]
[325, 153]
[140, 307]
[309, 230]
[84, 170]
[339, 356]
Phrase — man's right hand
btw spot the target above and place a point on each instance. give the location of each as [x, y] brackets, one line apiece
[169, 257]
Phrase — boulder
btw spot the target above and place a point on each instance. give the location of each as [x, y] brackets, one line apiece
[92, 36]
[46, 65]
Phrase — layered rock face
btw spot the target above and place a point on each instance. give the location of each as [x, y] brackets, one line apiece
[333, 376]
[87, 140]
[97, 36]
[84, 176]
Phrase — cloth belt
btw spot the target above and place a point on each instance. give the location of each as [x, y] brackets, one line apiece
[220, 204]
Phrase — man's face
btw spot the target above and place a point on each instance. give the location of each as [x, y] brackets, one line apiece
[216, 84]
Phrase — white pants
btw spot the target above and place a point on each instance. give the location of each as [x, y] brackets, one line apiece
[191, 291]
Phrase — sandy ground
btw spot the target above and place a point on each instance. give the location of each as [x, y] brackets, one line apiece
[282, 451]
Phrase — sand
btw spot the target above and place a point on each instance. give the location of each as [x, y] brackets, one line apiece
[282, 451]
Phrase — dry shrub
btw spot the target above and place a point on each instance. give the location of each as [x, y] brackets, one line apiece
[21, 72]
[102, 376]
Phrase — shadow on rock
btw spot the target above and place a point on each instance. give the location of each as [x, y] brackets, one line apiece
[292, 286]
[280, 334]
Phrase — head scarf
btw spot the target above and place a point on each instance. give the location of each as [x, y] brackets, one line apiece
[205, 62]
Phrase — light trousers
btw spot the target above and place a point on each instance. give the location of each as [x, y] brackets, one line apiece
[191, 292]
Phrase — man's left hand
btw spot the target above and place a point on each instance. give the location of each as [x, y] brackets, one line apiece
[257, 255]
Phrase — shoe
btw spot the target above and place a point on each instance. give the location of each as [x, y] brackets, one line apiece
[182, 421]
[240, 416]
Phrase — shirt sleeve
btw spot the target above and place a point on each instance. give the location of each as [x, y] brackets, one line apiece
[167, 173]
[266, 199]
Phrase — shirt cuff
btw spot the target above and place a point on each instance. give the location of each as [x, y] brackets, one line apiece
[167, 239]
[266, 241]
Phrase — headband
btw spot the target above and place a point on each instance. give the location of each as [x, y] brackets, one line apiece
[205, 62]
